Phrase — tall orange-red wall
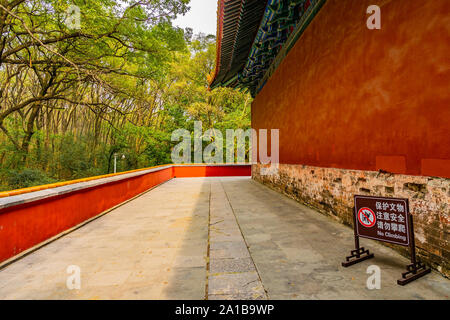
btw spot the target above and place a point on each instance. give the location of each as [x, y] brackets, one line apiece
[349, 97]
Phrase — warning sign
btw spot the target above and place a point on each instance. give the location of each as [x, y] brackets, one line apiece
[383, 219]
[388, 220]
[366, 217]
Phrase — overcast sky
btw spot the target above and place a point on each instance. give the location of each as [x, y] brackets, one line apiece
[201, 18]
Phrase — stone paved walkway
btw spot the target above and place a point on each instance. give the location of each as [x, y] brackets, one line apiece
[232, 273]
[259, 245]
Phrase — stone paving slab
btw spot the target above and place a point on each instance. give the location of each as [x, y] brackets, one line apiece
[232, 273]
[229, 250]
[220, 265]
[237, 286]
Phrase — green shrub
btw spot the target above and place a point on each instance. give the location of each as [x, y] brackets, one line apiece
[26, 178]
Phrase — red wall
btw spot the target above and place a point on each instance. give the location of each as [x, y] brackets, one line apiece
[212, 171]
[24, 226]
[349, 97]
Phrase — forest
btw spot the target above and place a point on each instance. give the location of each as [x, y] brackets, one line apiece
[116, 81]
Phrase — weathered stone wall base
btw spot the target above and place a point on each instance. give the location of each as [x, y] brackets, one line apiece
[331, 191]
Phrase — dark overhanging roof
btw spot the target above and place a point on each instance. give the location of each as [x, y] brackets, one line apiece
[238, 23]
[253, 37]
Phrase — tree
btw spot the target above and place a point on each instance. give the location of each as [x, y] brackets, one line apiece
[121, 83]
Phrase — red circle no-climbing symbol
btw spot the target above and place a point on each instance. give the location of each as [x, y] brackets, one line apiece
[366, 217]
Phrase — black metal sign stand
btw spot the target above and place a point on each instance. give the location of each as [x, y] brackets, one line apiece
[416, 269]
[359, 254]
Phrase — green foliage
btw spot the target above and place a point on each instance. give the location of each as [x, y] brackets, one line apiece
[26, 178]
[120, 85]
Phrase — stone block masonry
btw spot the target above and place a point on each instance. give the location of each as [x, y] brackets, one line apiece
[331, 191]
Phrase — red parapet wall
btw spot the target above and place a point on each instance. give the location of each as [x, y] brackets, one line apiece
[212, 171]
[24, 226]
